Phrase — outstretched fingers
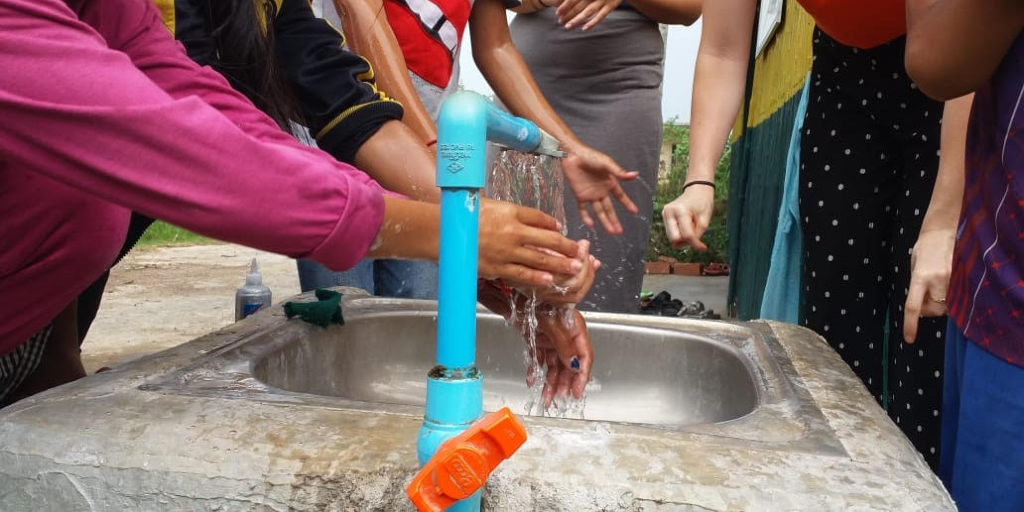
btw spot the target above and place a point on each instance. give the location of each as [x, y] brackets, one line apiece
[624, 199]
[585, 215]
[606, 215]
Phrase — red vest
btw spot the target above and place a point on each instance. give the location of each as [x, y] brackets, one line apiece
[429, 33]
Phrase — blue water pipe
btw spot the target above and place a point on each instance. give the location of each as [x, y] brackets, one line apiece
[454, 386]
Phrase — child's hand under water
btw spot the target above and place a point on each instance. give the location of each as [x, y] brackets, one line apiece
[567, 352]
[563, 344]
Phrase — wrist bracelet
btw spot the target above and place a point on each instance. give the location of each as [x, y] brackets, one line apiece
[698, 182]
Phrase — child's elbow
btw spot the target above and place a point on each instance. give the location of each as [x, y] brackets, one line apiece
[693, 12]
[690, 18]
[929, 73]
[683, 13]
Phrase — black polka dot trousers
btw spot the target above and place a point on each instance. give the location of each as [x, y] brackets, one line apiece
[869, 157]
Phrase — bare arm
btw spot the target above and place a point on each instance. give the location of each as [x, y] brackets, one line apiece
[944, 208]
[932, 258]
[506, 72]
[954, 46]
[718, 87]
[592, 175]
[400, 162]
[719, 82]
[369, 35]
[406, 216]
[517, 244]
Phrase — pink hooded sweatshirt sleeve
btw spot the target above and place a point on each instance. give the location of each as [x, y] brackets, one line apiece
[87, 133]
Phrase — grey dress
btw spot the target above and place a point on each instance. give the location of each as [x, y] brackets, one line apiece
[606, 85]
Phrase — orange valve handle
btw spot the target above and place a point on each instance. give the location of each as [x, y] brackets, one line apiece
[462, 464]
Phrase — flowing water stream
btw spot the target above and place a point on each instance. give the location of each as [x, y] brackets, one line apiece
[535, 181]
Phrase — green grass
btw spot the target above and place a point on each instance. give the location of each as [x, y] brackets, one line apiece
[717, 235]
[161, 233]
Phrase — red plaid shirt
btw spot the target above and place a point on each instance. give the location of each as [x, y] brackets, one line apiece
[986, 293]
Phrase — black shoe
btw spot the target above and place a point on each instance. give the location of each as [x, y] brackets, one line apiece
[657, 305]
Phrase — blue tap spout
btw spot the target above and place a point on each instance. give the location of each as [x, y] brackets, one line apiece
[519, 134]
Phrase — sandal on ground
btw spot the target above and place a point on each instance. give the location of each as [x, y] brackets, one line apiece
[716, 269]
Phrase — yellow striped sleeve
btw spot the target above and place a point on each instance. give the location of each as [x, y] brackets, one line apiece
[347, 113]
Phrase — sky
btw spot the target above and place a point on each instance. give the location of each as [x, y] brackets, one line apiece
[679, 60]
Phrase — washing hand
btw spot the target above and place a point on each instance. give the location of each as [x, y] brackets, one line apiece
[524, 246]
[563, 344]
[931, 263]
[687, 218]
[566, 351]
[594, 180]
[573, 12]
[572, 290]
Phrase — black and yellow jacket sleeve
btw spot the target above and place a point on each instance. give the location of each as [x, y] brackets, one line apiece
[333, 87]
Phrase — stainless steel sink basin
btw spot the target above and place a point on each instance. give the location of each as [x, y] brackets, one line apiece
[725, 382]
[643, 375]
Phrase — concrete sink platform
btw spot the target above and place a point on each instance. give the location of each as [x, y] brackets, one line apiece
[270, 414]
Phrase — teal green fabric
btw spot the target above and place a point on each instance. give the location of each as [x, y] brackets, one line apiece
[324, 312]
[782, 291]
[755, 192]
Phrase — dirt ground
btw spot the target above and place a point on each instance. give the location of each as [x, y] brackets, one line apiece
[161, 297]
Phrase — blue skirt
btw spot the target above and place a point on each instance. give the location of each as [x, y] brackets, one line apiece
[982, 455]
